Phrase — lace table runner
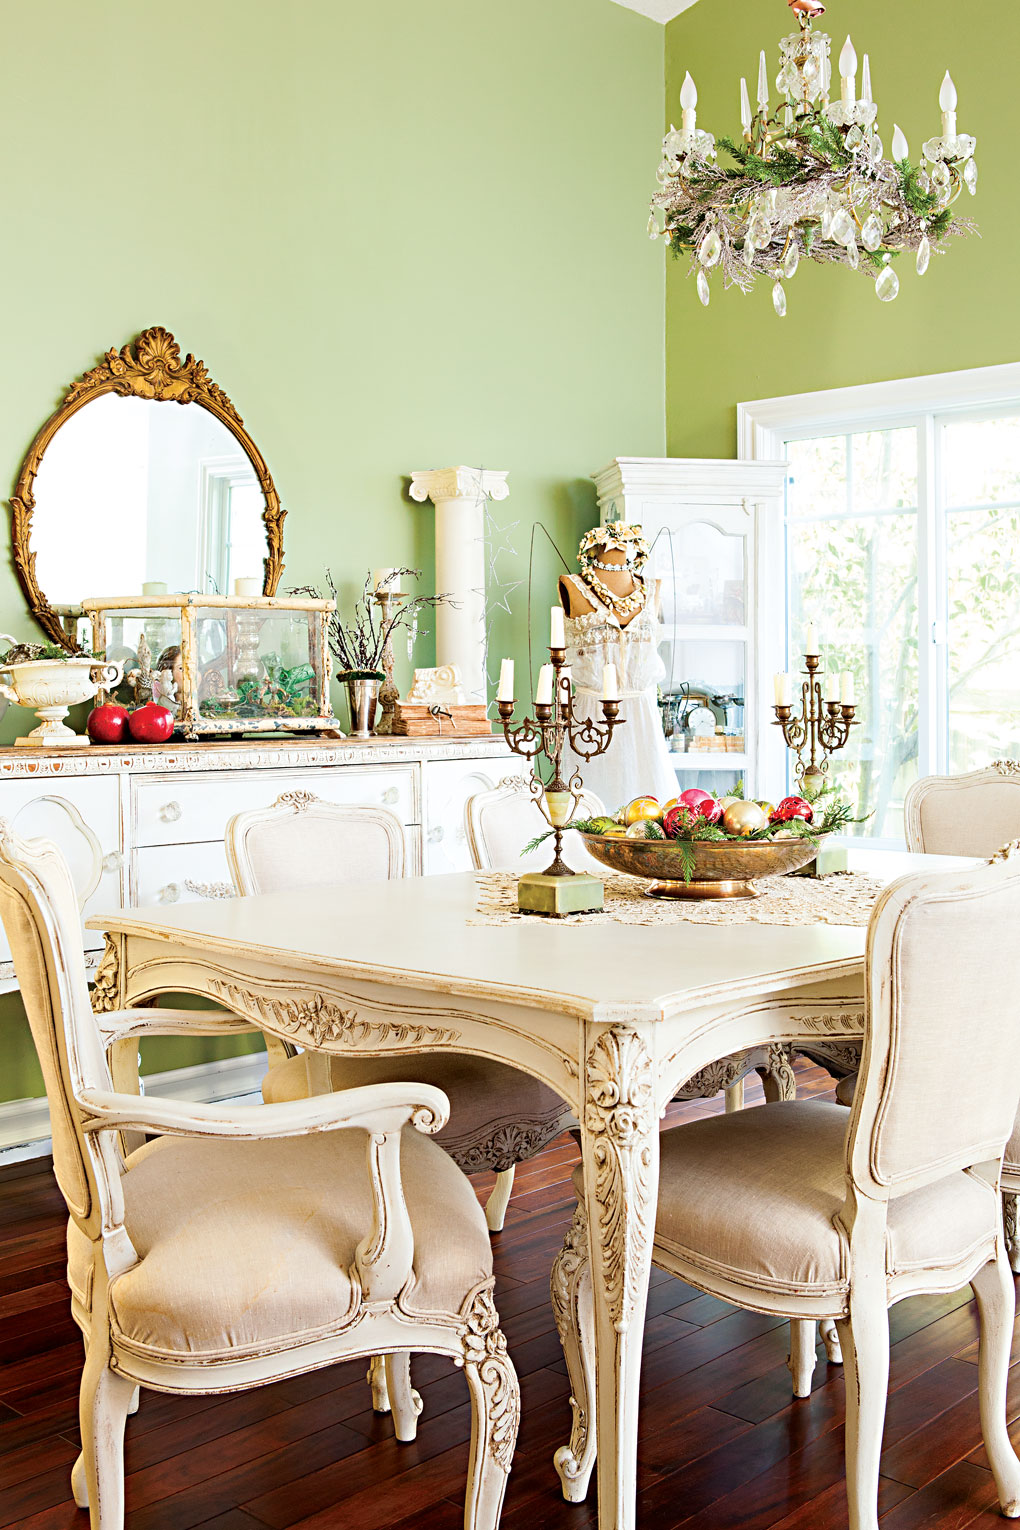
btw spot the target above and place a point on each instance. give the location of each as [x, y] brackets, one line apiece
[845, 897]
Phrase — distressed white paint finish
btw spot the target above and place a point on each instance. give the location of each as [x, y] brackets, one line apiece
[459, 495]
[605, 1015]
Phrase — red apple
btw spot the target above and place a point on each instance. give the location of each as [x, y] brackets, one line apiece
[151, 724]
[107, 724]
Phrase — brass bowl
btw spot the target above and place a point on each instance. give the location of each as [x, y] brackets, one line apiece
[722, 868]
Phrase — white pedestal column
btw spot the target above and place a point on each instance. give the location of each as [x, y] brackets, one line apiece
[459, 495]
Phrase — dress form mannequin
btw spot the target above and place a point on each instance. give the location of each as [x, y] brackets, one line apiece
[610, 618]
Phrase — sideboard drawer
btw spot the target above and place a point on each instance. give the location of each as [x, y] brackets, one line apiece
[168, 810]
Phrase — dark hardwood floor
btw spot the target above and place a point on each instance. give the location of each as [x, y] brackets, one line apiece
[722, 1444]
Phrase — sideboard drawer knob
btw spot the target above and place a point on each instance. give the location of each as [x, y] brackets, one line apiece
[170, 893]
[170, 812]
[113, 862]
[391, 795]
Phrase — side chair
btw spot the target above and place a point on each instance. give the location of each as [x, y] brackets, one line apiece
[804, 1211]
[499, 1116]
[246, 1244]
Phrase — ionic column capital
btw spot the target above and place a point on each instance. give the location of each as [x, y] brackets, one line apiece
[467, 483]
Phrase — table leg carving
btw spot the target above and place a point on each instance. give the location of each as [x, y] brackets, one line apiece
[1009, 1226]
[106, 990]
[620, 1151]
[570, 1290]
[778, 1079]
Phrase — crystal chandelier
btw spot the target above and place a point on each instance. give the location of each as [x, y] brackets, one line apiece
[810, 180]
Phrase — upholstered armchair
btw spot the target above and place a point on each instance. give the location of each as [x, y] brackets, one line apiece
[499, 1116]
[807, 1211]
[246, 1244]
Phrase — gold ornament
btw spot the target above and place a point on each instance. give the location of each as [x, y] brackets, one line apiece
[744, 818]
[642, 808]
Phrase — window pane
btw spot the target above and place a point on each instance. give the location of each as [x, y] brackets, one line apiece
[884, 470]
[981, 461]
[816, 483]
[702, 573]
[855, 576]
[984, 635]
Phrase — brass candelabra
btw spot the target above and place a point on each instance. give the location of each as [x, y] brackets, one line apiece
[387, 600]
[558, 890]
[821, 728]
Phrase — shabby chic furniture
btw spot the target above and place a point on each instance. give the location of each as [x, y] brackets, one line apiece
[789, 1209]
[499, 1116]
[721, 603]
[605, 1014]
[119, 490]
[174, 1253]
[145, 825]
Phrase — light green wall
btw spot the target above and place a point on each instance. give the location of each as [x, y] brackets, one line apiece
[401, 236]
[963, 313]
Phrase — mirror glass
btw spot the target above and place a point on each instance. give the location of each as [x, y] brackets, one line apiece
[134, 491]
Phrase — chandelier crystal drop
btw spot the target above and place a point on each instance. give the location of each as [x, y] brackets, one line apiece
[809, 180]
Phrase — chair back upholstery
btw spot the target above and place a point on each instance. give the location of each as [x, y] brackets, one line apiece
[940, 1076]
[972, 814]
[39, 909]
[303, 842]
[501, 822]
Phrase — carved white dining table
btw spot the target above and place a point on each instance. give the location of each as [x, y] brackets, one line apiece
[614, 1017]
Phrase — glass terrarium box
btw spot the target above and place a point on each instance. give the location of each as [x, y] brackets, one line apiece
[222, 664]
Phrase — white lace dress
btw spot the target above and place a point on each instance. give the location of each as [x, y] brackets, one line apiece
[637, 762]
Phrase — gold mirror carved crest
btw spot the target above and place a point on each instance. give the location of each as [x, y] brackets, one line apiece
[111, 495]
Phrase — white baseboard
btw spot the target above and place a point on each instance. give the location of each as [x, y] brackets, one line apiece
[25, 1124]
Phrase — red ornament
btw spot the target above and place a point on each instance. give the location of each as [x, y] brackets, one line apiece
[793, 807]
[693, 795]
[107, 724]
[710, 809]
[151, 724]
[679, 820]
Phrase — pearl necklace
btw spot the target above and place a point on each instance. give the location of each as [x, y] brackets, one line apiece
[611, 568]
[620, 605]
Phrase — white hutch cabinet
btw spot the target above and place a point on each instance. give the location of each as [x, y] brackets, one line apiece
[712, 522]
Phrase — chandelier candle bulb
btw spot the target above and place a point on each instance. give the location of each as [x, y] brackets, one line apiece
[745, 109]
[866, 81]
[763, 84]
[900, 146]
[544, 689]
[846, 689]
[848, 73]
[947, 101]
[610, 684]
[557, 632]
[506, 681]
[688, 101]
[784, 690]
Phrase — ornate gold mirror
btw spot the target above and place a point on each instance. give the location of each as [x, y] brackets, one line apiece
[121, 494]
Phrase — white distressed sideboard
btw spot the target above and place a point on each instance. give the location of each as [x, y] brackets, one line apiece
[145, 825]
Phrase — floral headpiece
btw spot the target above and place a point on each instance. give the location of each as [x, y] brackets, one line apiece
[614, 536]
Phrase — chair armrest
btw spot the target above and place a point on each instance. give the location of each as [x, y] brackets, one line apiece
[377, 1108]
[122, 1024]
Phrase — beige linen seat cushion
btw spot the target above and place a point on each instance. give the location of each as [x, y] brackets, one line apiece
[752, 1196]
[499, 1116]
[247, 1247]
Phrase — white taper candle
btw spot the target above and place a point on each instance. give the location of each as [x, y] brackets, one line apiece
[557, 634]
[506, 681]
[846, 688]
[610, 684]
[543, 691]
[784, 691]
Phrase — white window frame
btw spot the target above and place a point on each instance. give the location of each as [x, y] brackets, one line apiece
[765, 425]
